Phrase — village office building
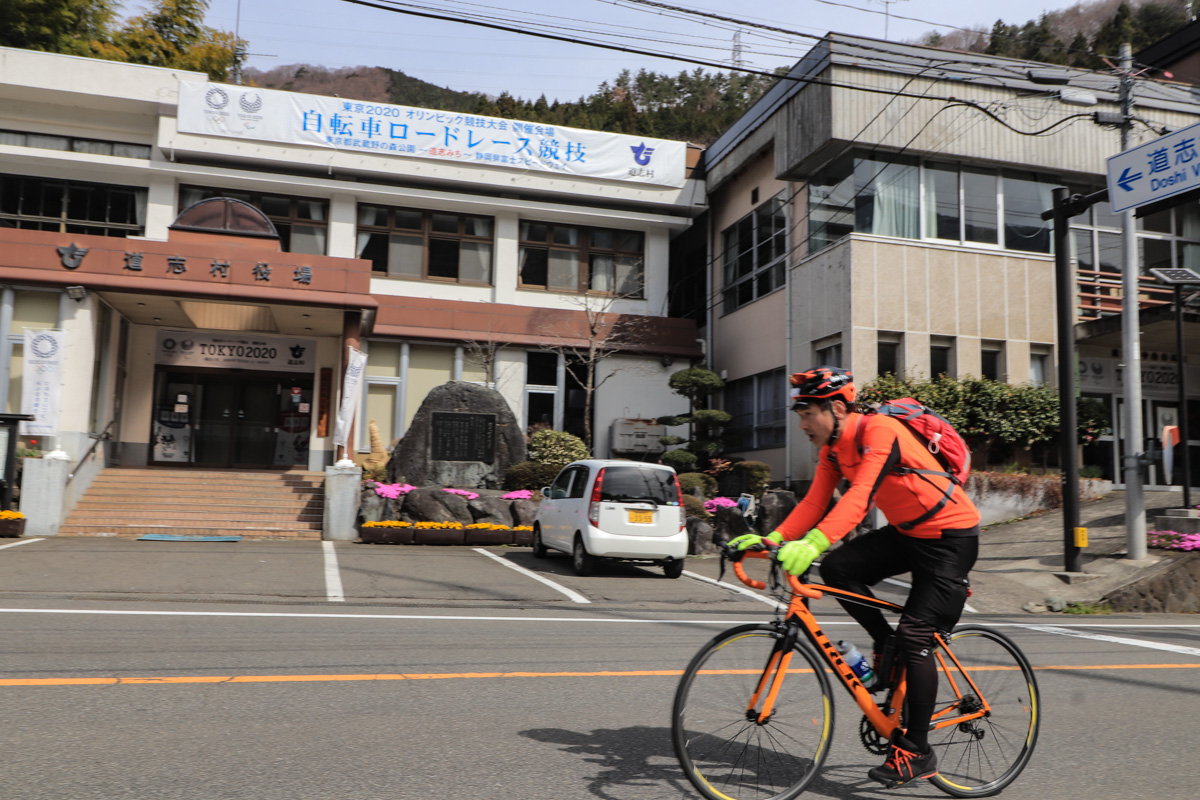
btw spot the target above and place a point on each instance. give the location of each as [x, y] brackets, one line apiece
[869, 213]
[448, 247]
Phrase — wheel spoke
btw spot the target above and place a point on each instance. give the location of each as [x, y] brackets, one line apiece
[986, 754]
[728, 754]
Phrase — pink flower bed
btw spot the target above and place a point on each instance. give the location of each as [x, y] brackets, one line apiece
[392, 490]
[520, 494]
[462, 493]
[1173, 540]
[711, 506]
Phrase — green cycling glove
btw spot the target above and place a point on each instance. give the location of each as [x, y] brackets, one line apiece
[798, 556]
[748, 540]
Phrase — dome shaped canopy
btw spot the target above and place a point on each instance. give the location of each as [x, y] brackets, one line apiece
[227, 216]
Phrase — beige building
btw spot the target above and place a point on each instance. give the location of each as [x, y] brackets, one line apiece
[880, 210]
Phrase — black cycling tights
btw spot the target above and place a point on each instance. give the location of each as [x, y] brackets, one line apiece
[939, 570]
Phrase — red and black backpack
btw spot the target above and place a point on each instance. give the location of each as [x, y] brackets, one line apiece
[939, 438]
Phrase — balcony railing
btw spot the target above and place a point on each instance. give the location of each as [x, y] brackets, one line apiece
[1101, 293]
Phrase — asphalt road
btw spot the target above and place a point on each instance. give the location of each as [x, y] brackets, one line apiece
[192, 672]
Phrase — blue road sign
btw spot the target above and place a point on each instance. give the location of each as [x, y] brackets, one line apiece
[1156, 170]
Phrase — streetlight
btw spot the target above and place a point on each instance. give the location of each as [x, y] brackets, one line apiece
[1177, 278]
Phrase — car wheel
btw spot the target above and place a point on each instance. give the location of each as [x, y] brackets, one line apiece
[673, 569]
[539, 549]
[581, 560]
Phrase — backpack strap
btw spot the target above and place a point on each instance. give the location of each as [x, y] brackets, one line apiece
[947, 493]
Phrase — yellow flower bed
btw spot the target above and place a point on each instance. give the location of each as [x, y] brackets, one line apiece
[441, 526]
[11, 515]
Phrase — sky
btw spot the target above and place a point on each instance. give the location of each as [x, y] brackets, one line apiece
[336, 33]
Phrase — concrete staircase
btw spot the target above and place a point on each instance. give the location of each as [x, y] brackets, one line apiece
[263, 505]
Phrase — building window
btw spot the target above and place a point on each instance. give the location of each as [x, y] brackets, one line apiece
[887, 354]
[829, 355]
[755, 254]
[75, 144]
[758, 407]
[426, 245]
[302, 222]
[542, 389]
[991, 360]
[1039, 367]
[71, 206]
[570, 258]
[898, 196]
[1166, 238]
[941, 357]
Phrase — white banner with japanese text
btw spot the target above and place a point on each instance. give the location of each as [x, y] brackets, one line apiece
[41, 385]
[356, 365]
[247, 112]
[233, 349]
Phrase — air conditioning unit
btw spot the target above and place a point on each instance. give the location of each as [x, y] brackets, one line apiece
[637, 436]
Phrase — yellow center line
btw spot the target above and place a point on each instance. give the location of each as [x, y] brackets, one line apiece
[434, 676]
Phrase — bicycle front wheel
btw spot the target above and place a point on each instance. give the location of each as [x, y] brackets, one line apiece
[980, 757]
[723, 747]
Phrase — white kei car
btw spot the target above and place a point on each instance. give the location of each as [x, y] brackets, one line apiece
[626, 510]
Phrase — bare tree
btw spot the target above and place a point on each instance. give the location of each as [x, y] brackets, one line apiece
[590, 335]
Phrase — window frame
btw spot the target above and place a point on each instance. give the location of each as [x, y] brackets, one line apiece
[736, 281]
[285, 225]
[767, 428]
[428, 234]
[584, 250]
[63, 222]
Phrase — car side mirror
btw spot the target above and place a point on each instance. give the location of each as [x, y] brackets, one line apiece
[545, 491]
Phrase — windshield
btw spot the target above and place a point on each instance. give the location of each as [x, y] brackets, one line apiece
[626, 484]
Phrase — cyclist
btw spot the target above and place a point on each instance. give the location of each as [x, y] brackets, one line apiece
[935, 536]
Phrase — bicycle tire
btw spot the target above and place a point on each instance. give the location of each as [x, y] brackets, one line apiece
[982, 757]
[728, 756]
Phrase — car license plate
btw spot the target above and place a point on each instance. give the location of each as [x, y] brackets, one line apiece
[644, 517]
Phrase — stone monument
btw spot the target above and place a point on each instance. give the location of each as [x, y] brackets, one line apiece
[464, 435]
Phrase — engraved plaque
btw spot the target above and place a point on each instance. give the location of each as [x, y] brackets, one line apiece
[463, 437]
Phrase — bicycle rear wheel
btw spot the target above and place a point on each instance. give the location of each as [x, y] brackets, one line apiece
[981, 757]
[724, 751]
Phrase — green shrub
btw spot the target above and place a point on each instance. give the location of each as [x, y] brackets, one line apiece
[757, 476]
[1091, 471]
[556, 447]
[691, 481]
[530, 475]
[694, 507]
[680, 460]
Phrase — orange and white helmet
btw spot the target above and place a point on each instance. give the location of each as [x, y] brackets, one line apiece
[822, 383]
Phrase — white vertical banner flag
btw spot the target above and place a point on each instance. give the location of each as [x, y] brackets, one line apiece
[41, 384]
[356, 365]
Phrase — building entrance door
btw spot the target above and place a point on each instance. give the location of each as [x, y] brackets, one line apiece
[223, 419]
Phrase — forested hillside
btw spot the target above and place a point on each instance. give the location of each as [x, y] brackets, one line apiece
[697, 105]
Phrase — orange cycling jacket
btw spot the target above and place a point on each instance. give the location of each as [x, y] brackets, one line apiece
[886, 444]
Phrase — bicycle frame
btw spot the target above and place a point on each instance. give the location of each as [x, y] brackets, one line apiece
[884, 717]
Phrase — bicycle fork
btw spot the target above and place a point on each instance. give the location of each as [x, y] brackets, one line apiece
[772, 678]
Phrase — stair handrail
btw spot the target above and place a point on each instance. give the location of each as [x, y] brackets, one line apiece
[104, 435]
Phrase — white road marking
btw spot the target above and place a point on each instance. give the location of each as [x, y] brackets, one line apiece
[1170, 648]
[333, 578]
[23, 541]
[729, 621]
[739, 589]
[573, 595]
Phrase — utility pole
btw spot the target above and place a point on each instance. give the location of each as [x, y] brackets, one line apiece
[1135, 504]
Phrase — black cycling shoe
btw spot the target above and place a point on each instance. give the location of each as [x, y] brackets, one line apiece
[904, 763]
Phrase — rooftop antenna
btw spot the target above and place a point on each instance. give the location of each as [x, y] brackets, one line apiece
[887, 14]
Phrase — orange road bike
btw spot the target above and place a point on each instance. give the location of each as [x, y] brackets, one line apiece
[753, 714]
